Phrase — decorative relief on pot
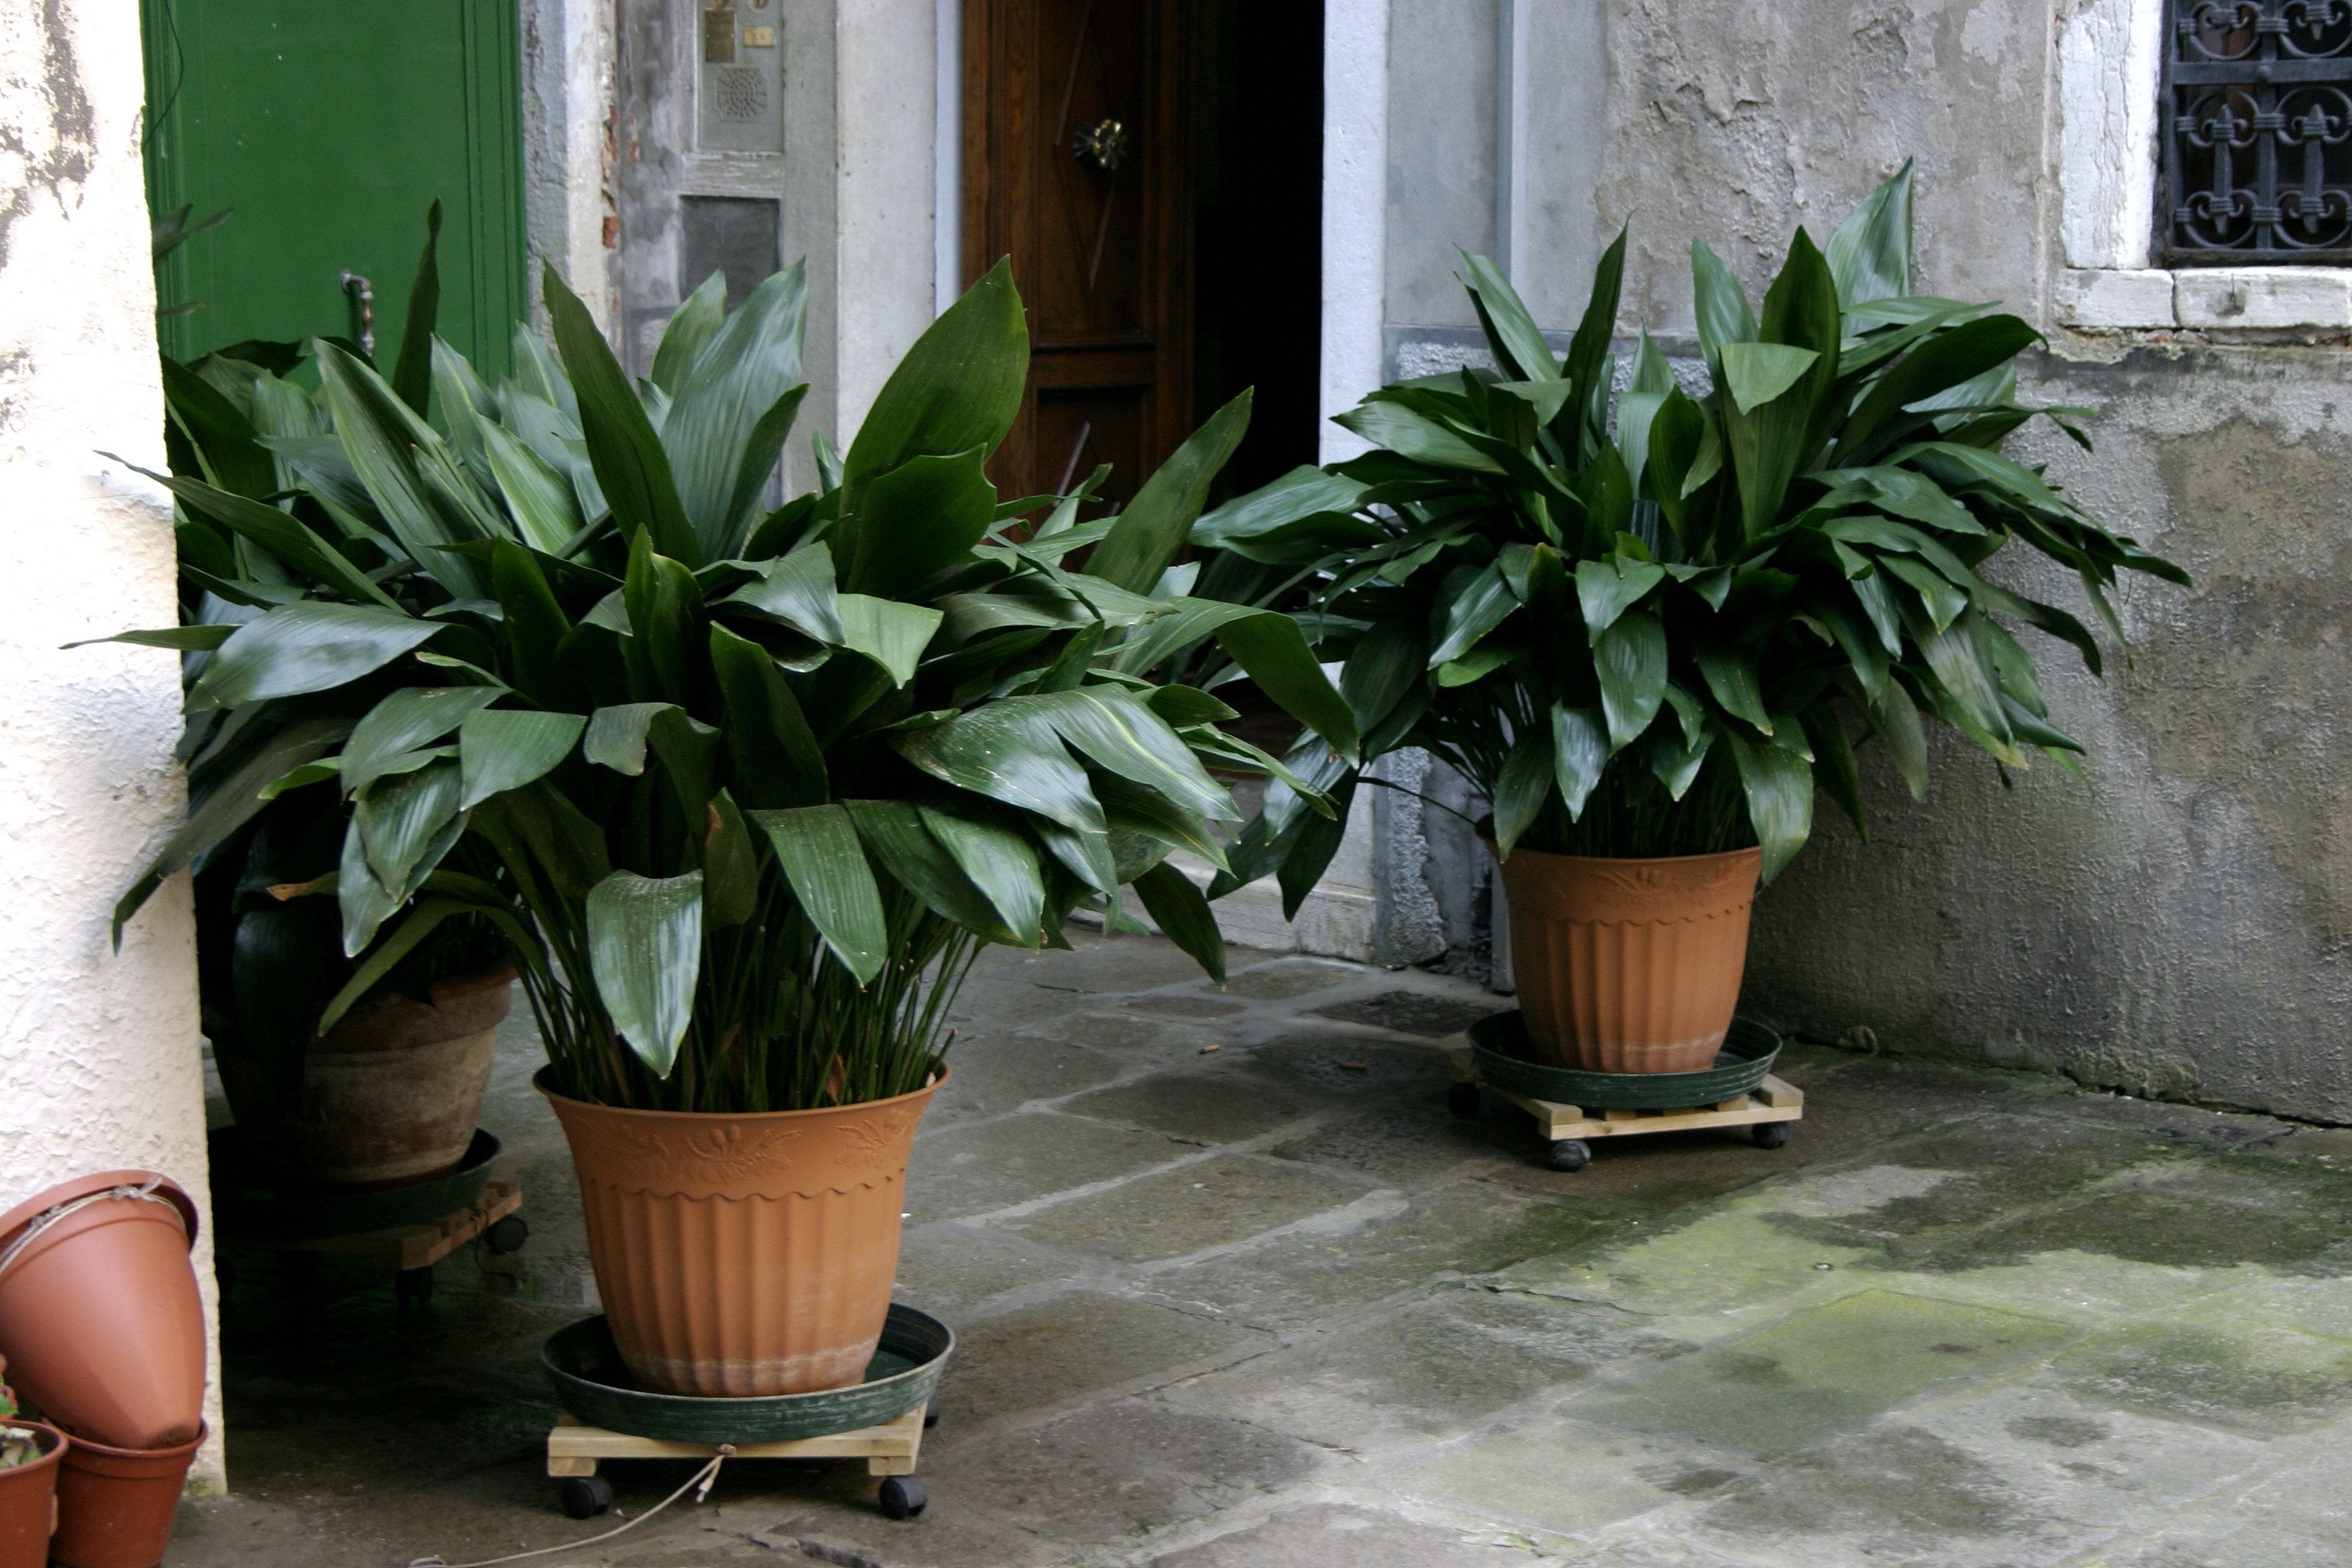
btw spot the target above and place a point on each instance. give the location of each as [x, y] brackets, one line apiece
[714, 1156]
[875, 1141]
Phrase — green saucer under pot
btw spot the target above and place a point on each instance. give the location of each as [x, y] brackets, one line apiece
[590, 1382]
[1500, 1044]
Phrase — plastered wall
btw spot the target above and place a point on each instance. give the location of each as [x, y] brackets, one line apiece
[99, 1064]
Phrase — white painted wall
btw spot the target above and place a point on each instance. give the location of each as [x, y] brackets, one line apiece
[98, 1050]
[888, 248]
[1355, 210]
[567, 92]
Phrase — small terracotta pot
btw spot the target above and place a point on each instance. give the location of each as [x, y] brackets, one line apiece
[391, 1093]
[1629, 966]
[744, 1254]
[115, 1506]
[99, 1313]
[28, 1499]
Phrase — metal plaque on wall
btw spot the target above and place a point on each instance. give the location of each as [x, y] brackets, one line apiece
[739, 86]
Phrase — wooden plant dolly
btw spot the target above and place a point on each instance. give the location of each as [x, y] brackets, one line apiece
[890, 1450]
[1768, 1110]
[880, 1419]
[410, 1251]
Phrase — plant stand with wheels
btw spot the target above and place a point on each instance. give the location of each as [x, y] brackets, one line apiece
[1742, 1092]
[880, 1420]
[890, 1450]
[410, 1251]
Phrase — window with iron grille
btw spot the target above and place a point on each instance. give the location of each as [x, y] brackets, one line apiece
[2256, 128]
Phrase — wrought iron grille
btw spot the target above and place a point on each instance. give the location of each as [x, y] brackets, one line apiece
[2257, 127]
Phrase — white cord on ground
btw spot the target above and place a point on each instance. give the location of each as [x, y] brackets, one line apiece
[704, 1477]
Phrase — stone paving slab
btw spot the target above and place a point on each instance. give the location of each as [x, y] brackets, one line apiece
[1232, 1289]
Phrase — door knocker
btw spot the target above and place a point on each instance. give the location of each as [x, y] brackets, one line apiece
[1102, 144]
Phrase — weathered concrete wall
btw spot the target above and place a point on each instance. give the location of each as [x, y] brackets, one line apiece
[2175, 923]
[567, 145]
[99, 1064]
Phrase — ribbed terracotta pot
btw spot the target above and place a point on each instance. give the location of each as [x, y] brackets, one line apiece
[29, 1501]
[744, 1254]
[99, 1313]
[1629, 966]
[115, 1506]
[391, 1093]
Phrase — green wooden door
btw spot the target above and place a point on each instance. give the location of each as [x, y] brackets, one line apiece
[329, 126]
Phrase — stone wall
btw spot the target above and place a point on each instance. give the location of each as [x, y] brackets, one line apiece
[99, 1057]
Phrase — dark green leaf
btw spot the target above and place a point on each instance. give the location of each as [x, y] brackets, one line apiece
[407, 719]
[817, 847]
[644, 949]
[502, 749]
[895, 836]
[1183, 916]
[997, 859]
[956, 389]
[631, 465]
[777, 760]
[1731, 677]
[1152, 527]
[1579, 753]
[1630, 658]
[307, 646]
[1869, 254]
[1779, 790]
[1519, 791]
[722, 400]
[412, 372]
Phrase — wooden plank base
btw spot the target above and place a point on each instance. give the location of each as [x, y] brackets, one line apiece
[1773, 1100]
[421, 1246]
[576, 1448]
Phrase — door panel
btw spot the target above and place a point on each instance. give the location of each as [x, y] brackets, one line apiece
[329, 129]
[1100, 247]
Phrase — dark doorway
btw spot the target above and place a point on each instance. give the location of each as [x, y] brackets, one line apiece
[1257, 226]
[1153, 168]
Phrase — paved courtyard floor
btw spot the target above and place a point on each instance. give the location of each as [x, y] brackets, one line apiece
[1233, 1291]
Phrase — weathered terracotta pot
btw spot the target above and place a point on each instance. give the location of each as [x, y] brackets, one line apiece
[1629, 966]
[391, 1093]
[99, 1313]
[115, 1506]
[744, 1254]
[28, 1499]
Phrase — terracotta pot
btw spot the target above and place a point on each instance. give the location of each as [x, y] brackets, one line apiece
[29, 1501]
[744, 1254]
[1629, 966]
[98, 1312]
[115, 1506]
[391, 1093]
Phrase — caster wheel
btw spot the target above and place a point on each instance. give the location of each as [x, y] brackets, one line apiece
[931, 1415]
[507, 1235]
[1770, 1134]
[585, 1496]
[1567, 1154]
[904, 1497]
[1462, 1100]
[412, 1287]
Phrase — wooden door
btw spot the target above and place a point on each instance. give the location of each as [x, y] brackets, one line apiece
[328, 130]
[1076, 152]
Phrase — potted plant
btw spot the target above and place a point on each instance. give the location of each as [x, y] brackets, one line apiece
[28, 1484]
[741, 786]
[1650, 626]
[390, 1095]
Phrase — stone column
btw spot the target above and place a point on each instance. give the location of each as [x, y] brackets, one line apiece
[99, 1065]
